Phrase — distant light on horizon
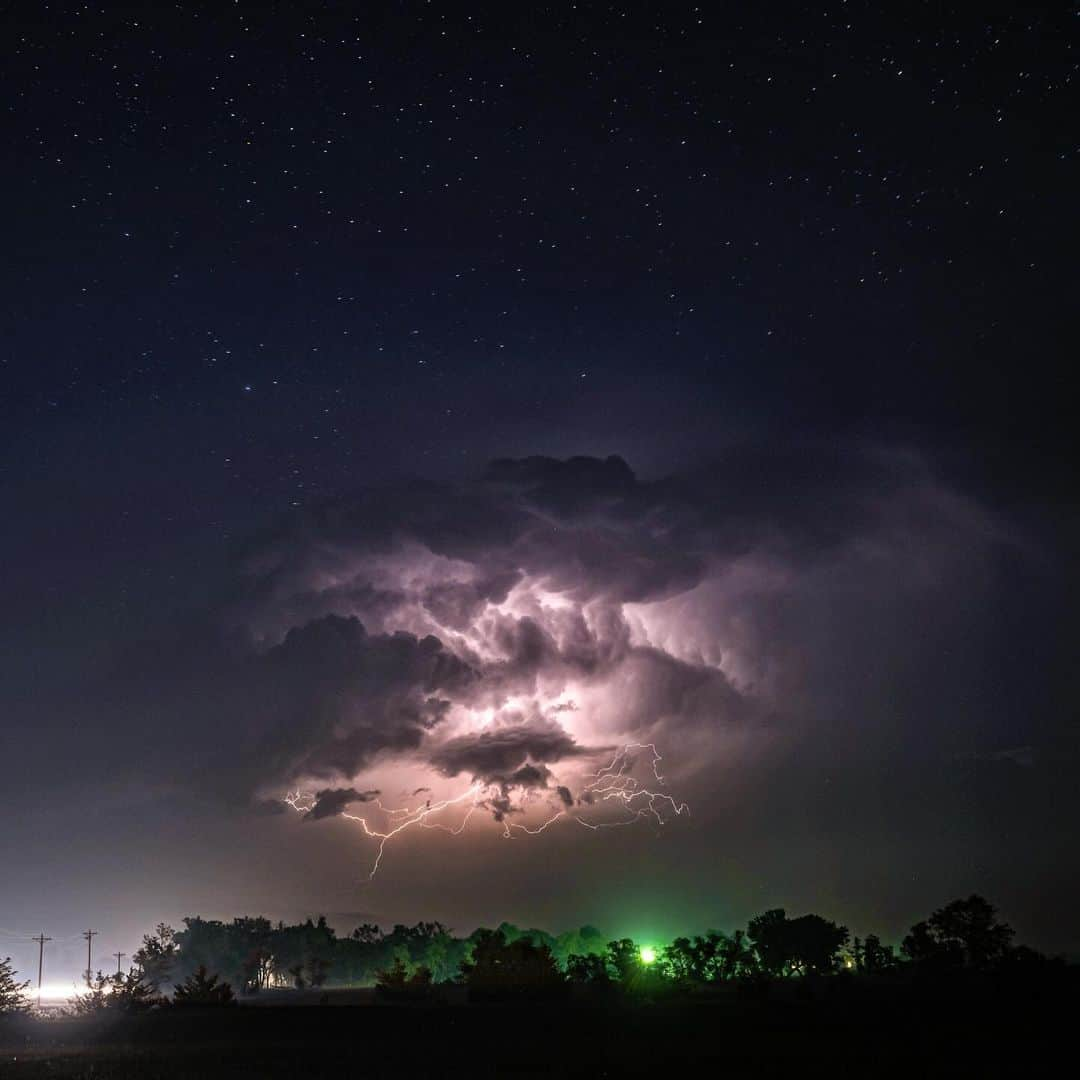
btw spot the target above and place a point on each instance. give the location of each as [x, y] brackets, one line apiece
[57, 991]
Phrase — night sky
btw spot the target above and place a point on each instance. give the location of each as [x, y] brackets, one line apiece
[395, 396]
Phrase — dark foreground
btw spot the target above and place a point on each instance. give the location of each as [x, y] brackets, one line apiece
[947, 1032]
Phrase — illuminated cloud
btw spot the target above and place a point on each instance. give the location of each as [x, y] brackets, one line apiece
[508, 632]
[506, 755]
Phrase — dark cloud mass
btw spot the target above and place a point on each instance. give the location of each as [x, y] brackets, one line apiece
[775, 590]
[333, 801]
[506, 753]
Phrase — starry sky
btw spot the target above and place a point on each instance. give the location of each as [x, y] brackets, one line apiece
[379, 378]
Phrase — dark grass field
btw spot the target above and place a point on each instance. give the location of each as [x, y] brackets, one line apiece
[351, 1035]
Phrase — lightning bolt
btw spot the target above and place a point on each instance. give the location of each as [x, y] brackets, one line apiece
[613, 783]
[302, 802]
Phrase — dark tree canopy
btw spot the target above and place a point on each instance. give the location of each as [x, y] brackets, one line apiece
[591, 968]
[252, 954]
[201, 988]
[965, 933]
[714, 957]
[808, 945]
[13, 997]
[498, 965]
[624, 959]
[156, 957]
[116, 994]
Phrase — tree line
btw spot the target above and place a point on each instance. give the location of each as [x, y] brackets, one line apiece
[210, 962]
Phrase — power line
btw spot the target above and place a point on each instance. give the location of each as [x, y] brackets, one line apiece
[20, 935]
[118, 955]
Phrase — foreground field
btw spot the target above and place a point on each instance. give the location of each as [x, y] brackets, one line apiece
[877, 1036]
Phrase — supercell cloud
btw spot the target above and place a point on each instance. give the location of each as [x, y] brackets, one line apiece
[515, 631]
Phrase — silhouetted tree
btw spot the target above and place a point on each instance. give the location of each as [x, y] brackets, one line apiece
[803, 946]
[856, 955]
[240, 950]
[815, 944]
[398, 981]
[498, 966]
[115, 993]
[737, 956]
[437, 956]
[156, 958]
[922, 948]
[678, 960]
[96, 998]
[963, 933]
[713, 957]
[624, 957]
[702, 959]
[302, 954]
[13, 997]
[252, 953]
[590, 968]
[768, 933]
[367, 934]
[203, 989]
[875, 956]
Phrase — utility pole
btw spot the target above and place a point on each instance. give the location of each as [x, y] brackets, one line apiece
[118, 955]
[40, 939]
[89, 935]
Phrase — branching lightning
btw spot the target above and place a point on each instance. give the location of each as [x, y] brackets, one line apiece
[613, 784]
[615, 781]
[303, 802]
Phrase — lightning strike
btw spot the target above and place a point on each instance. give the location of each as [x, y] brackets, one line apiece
[613, 783]
[302, 802]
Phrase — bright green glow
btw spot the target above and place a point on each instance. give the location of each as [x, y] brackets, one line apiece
[648, 954]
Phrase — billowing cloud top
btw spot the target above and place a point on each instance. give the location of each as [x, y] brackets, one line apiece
[513, 631]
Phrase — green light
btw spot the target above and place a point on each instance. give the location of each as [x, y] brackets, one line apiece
[648, 954]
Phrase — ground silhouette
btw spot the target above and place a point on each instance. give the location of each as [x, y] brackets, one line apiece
[787, 993]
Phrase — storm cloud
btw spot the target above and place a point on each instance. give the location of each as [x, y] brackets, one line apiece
[331, 802]
[515, 630]
[506, 754]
